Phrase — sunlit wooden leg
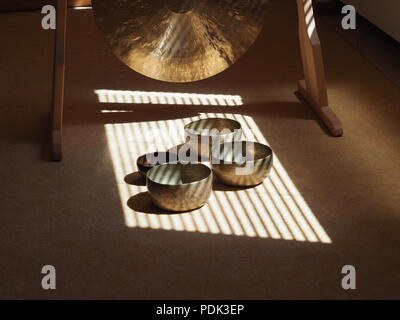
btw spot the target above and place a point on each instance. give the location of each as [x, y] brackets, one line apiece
[314, 88]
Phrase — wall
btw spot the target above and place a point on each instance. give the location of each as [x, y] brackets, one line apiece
[385, 14]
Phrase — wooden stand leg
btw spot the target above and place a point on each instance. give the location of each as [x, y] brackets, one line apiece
[314, 88]
[58, 81]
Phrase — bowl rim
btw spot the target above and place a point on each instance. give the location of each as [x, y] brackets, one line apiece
[210, 173]
[195, 132]
[247, 161]
[152, 166]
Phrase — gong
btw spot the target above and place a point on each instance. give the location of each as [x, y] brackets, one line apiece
[179, 40]
[183, 41]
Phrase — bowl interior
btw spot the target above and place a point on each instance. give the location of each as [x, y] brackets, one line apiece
[200, 127]
[178, 173]
[239, 151]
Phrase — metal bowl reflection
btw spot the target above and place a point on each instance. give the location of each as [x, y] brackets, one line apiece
[242, 163]
[150, 160]
[179, 187]
[202, 135]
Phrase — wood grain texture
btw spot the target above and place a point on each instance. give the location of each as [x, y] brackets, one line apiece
[314, 87]
[59, 78]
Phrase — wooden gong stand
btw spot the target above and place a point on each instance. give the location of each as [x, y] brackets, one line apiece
[313, 89]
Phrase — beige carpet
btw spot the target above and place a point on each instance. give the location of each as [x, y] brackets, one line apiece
[337, 199]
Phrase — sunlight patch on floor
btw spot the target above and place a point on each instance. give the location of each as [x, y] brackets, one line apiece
[171, 98]
[274, 209]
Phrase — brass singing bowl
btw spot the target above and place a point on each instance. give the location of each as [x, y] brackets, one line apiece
[179, 187]
[248, 165]
[179, 40]
[204, 134]
[150, 160]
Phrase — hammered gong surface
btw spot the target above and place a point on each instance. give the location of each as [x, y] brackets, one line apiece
[179, 40]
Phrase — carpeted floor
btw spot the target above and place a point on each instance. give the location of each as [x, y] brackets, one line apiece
[337, 198]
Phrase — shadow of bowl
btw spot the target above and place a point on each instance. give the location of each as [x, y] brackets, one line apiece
[135, 178]
[142, 203]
